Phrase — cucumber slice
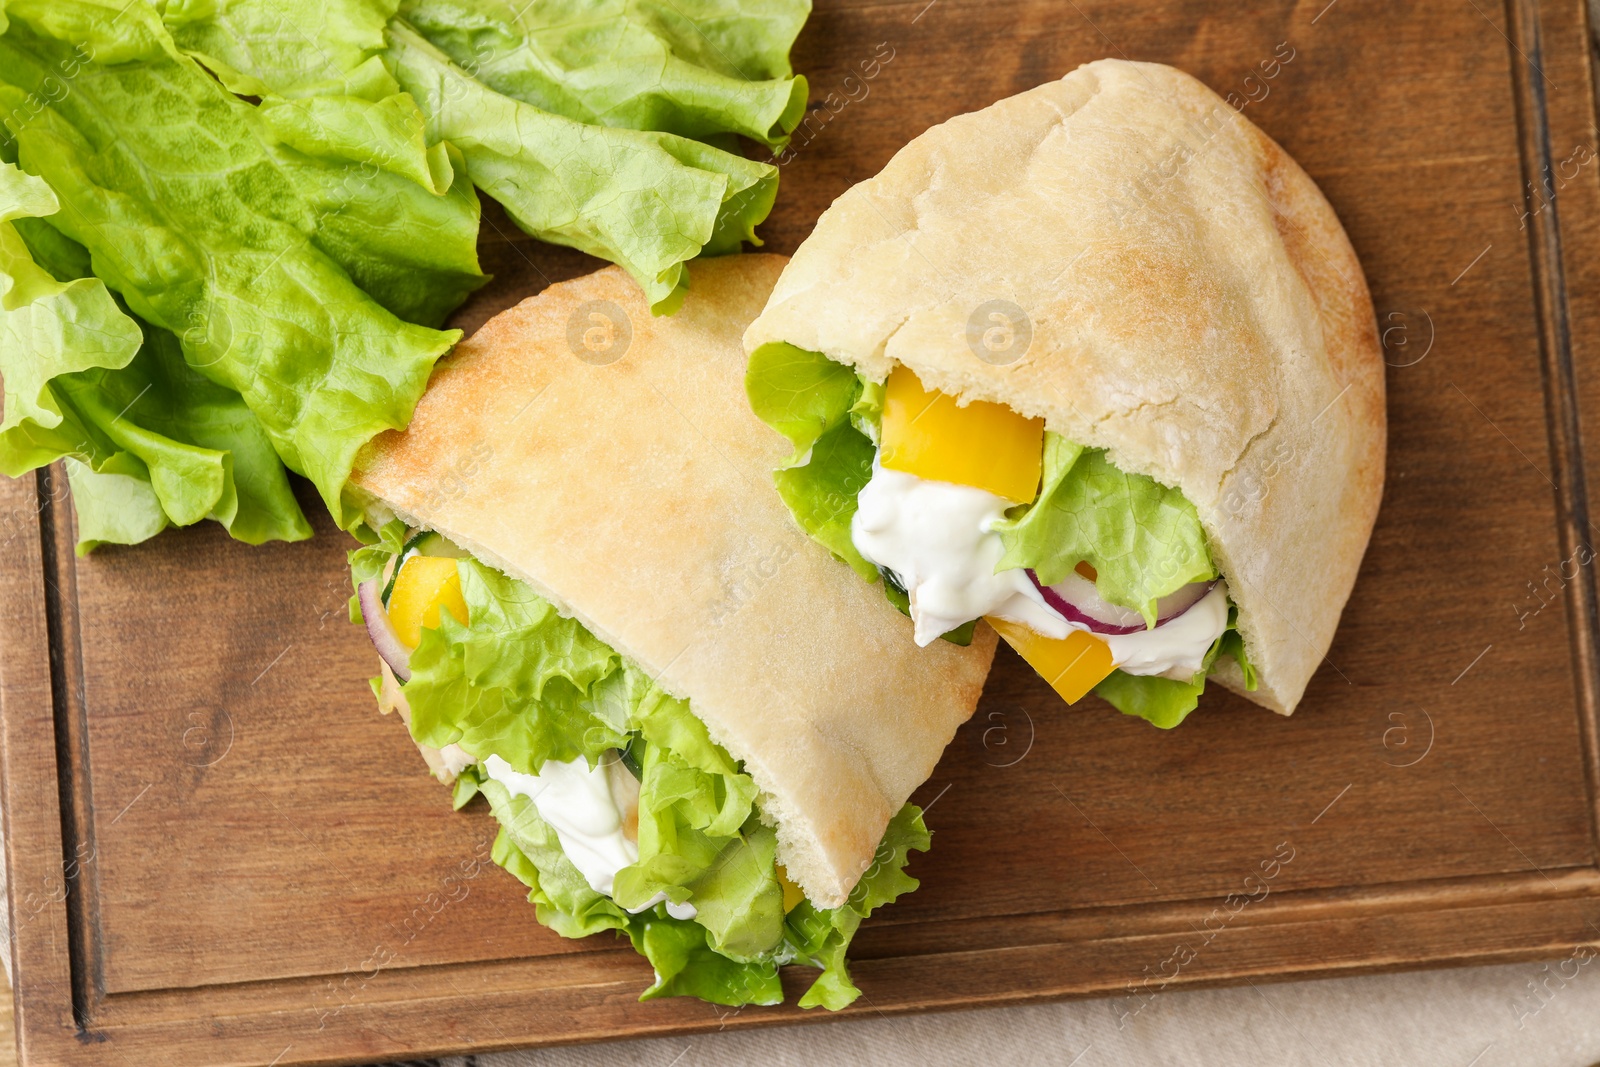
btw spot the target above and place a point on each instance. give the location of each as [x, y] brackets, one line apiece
[630, 760]
[432, 543]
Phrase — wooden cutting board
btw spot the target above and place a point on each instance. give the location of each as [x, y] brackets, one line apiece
[219, 853]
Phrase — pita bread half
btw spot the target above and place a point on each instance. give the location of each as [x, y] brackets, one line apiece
[637, 496]
[1170, 286]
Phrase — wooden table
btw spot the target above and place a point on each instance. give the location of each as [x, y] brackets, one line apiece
[219, 853]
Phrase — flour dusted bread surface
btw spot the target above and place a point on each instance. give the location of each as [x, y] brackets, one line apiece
[1195, 308]
[637, 496]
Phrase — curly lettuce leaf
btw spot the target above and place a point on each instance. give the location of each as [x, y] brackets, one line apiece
[368, 561]
[682, 951]
[821, 937]
[809, 399]
[203, 452]
[699, 835]
[646, 201]
[261, 47]
[113, 507]
[396, 211]
[519, 681]
[152, 441]
[48, 328]
[207, 237]
[687, 965]
[822, 494]
[800, 394]
[866, 414]
[697, 68]
[1232, 647]
[1162, 702]
[1143, 539]
[1165, 702]
[412, 250]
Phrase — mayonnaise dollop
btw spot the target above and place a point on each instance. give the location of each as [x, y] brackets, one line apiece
[939, 539]
[576, 800]
[936, 537]
[1177, 648]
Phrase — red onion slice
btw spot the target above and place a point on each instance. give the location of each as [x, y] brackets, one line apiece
[384, 639]
[1076, 600]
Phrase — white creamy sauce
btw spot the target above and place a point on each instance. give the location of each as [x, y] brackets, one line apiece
[939, 539]
[1177, 648]
[576, 800]
[936, 538]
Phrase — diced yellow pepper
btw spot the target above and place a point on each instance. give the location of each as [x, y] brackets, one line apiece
[425, 584]
[983, 444]
[1072, 665]
[792, 894]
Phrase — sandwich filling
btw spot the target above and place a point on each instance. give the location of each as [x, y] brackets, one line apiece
[616, 809]
[590, 809]
[1099, 578]
[940, 542]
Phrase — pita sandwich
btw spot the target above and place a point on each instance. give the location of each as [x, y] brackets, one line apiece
[1114, 365]
[694, 727]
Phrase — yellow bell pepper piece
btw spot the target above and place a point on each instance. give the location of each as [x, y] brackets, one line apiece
[792, 894]
[1072, 665]
[425, 584]
[984, 444]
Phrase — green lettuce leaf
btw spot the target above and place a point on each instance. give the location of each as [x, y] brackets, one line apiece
[1143, 539]
[395, 211]
[207, 237]
[1232, 647]
[368, 561]
[153, 442]
[48, 328]
[413, 251]
[1162, 702]
[810, 399]
[699, 834]
[822, 494]
[113, 508]
[203, 452]
[800, 394]
[866, 414]
[519, 681]
[262, 47]
[646, 201]
[524, 683]
[691, 67]
[822, 936]
[687, 965]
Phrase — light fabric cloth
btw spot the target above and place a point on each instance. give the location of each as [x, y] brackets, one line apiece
[1520, 1015]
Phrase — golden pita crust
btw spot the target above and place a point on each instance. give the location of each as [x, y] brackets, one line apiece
[1195, 308]
[637, 496]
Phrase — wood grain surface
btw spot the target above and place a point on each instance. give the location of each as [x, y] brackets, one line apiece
[219, 853]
